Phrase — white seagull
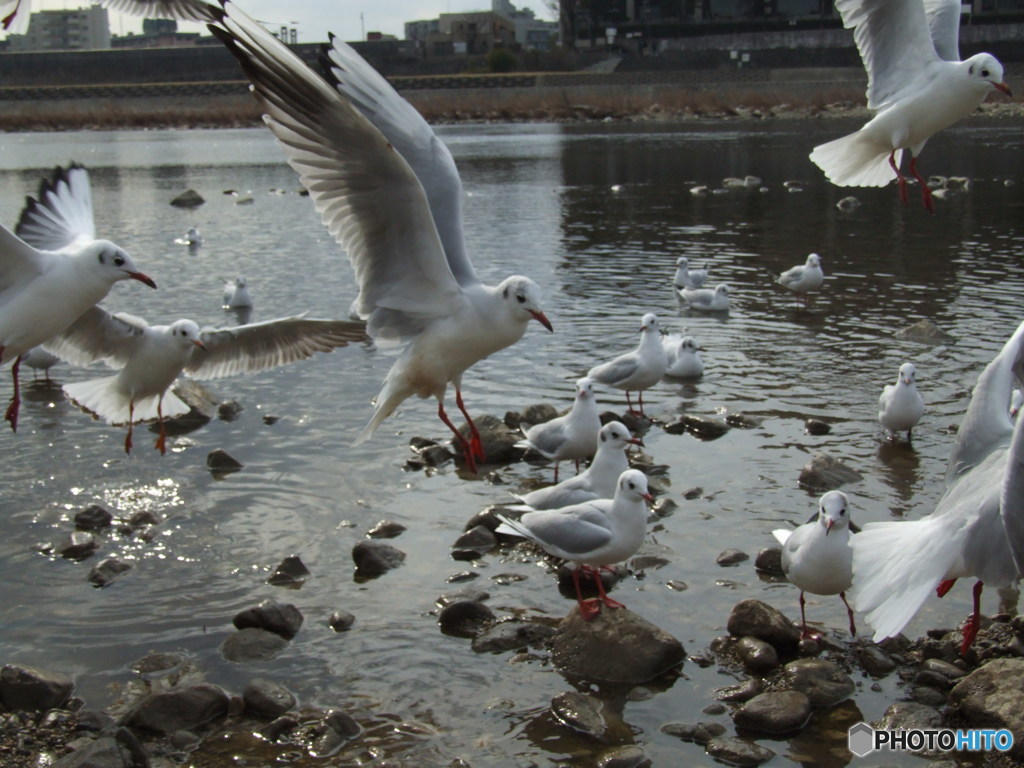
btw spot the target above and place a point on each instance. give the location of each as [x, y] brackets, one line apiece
[388, 190]
[917, 86]
[598, 481]
[596, 533]
[54, 269]
[686, 277]
[816, 557]
[977, 528]
[706, 299]
[236, 294]
[637, 370]
[38, 359]
[900, 405]
[192, 239]
[804, 278]
[683, 357]
[16, 13]
[572, 436]
[151, 357]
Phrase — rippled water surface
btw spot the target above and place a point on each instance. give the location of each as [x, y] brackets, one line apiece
[598, 216]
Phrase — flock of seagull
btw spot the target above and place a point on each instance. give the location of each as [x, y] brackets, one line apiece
[387, 189]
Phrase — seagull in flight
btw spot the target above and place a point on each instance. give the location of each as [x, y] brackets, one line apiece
[387, 189]
[917, 86]
[52, 269]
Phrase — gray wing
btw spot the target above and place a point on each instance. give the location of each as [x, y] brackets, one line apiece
[987, 422]
[547, 437]
[98, 335]
[619, 369]
[258, 346]
[183, 10]
[894, 43]
[574, 533]
[414, 139]
[19, 261]
[61, 213]
[944, 26]
[367, 195]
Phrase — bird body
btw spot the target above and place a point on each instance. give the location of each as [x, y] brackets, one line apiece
[572, 436]
[38, 359]
[682, 356]
[706, 299]
[686, 277]
[637, 370]
[598, 481]
[804, 278]
[236, 294]
[901, 405]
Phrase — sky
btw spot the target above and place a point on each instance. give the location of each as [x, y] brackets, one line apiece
[348, 19]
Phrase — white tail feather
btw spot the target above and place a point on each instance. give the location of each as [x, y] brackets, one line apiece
[102, 398]
[782, 534]
[855, 161]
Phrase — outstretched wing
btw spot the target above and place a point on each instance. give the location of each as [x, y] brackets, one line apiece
[183, 10]
[61, 213]
[98, 335]
[944, 26]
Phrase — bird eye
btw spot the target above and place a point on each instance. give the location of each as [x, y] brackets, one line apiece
[632, 486]
[603, 438]
[984, 73]
[520, 298]
[118, 261]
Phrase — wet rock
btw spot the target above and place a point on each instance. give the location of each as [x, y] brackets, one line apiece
[33, 690]
[824, 683]
[757, 655]
[499, 442]
[588, 586]
[281, 619]
[511, 636]
[626, 756]
[375, 558]
[221, 462]
[910, 715]
[932, 680]
[178, 709]
[105, 572]
[581, 713]
[664, 507]
[341, 621]
[924, 331]
[278, 728]
[715, 708]
[474, 543]
[386, 529]
[740, 692]
[342, 723]
[739, 752]
[825, 473]
[78, 545]
[93, 518]
[202, 406]
[252, 644]
[757, 619]
[817, 427]
[265, 699]
[290, 572]
[101, 752]
[699, 426]
[774, 712]
[465, 618]
[616, 646]
[488, 517]
[875, 661]
[769, 561]
[944, 668]
[731, 557]
[533, 414]
[743, 421]
[188, 199]
[698, 733]
[990, 697]
[229, 410]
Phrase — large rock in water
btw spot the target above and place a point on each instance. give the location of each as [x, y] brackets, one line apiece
[754, 618]
[180, 709]
[616, 646]
[498, 441]
[823, 682]
[30, 689]
[990, 697]
[825, 473]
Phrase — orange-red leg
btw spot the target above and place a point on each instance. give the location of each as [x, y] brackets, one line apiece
[12, 409]
[588, 608]
[900, 178]
[849, 612]
[475, 444]
[971, 630]
[161, 441]
[467, 451]
[926, 192]
[131, 424]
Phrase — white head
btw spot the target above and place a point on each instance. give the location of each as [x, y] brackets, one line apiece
[584, 388]
[615, 436]
[985, 72]
[814, 260]
[633, 486]
[522, 297]
[907, 373]
[187, 334]
[111, 263]
[688, 344]
[722, 290]
[833, 511]
[681, 262]
[649, 323]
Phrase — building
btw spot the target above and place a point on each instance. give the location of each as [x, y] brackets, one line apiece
[160, 33]
[84, 29]
[479, 32]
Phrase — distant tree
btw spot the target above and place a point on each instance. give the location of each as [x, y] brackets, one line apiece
[501, 60]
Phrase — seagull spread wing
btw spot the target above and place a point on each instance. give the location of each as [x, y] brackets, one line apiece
[99, 335]
[183, 10]
[894, 43]
[258, 346]
[944, 25]
[61, 214]
[415, 141]
[367, 195]
[19, 261]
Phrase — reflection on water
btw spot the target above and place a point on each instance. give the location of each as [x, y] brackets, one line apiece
[598, 216]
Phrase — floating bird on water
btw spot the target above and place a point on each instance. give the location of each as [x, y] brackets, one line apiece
[573, 436]
[706, 299]
[683, 356]
[686, 277]
[596, 533]
[804, 278]
[900, 404]
[388, 190]
[637, 370]
[236, 294]
[816, 557]
[917, 86]
[54, 269]
[192, 239]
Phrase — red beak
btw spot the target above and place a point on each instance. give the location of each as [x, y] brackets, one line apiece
[200, 344]
[828, 527]
[142, 278]
[649, 498]
[1004, 88]
[540, 317]
[635, 441]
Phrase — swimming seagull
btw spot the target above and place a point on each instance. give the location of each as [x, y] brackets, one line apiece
[16, 13]
[236, 294]
[804, 278]
[151, 357]
[381, 191]
[977, 528]
[637, 370]
[706, 299]
[917, 86]
[598, 481]
[686, 277]
[901, 405]
[596, 533]
[192, 239]
[816, 556]
[683, 356]
[53, 269]
[572, 436]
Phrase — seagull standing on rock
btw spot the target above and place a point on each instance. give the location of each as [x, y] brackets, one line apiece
[573, 436]
[901, 405]
[804, 278]
[917, 86]
[596, 533]
[387, 189]
[638, 370]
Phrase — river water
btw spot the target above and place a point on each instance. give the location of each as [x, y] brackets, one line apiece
[597, 214]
